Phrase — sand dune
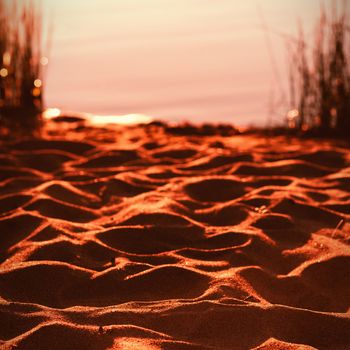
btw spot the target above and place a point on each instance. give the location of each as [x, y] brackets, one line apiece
[151, 237]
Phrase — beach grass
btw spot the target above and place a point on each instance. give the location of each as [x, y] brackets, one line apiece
[320, 76]
[22, 65]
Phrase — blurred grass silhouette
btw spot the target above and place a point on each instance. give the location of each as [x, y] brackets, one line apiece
[21, 67]
[320, 77]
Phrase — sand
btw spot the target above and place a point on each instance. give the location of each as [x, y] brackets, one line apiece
[151, 237]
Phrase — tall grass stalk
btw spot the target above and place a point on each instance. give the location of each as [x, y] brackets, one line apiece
[21, 64]
[320, 77]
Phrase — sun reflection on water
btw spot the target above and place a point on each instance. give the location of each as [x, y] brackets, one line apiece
[101, 120]
[51, 113]
[126, 119]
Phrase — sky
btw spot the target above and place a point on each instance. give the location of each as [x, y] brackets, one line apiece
[196, 60]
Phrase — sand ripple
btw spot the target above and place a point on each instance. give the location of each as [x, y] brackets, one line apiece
[144, 239]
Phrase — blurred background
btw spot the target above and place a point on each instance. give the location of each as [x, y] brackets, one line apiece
[197, 60]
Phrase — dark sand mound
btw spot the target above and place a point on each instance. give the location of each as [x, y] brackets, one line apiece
[215, 190]
[48, 281]
[76, 147]
[44, 160]
[60, 210]
[12, 172]
[223, 215]
[150, 237]
[65, 192]
[110, 159]
[284, 168]
[15, 228]
[13, 201]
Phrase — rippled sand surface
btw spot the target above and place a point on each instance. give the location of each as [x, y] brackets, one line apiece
[152, 237]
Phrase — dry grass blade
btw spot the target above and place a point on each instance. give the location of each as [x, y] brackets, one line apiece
[320, 78]
[21, 75]
[338, 227]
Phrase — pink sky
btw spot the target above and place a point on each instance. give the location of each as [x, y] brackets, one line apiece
[176, 59]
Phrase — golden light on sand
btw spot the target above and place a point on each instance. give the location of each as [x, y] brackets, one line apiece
[6, 58]
[4, 72]
[38, 83]
[44, 61]
[134, 343]
[51, 113]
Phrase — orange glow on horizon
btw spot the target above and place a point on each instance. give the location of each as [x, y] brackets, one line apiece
[101, 120]
[51, 113]
[127, 119]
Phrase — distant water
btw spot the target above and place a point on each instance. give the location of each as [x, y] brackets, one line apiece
[198, 60]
